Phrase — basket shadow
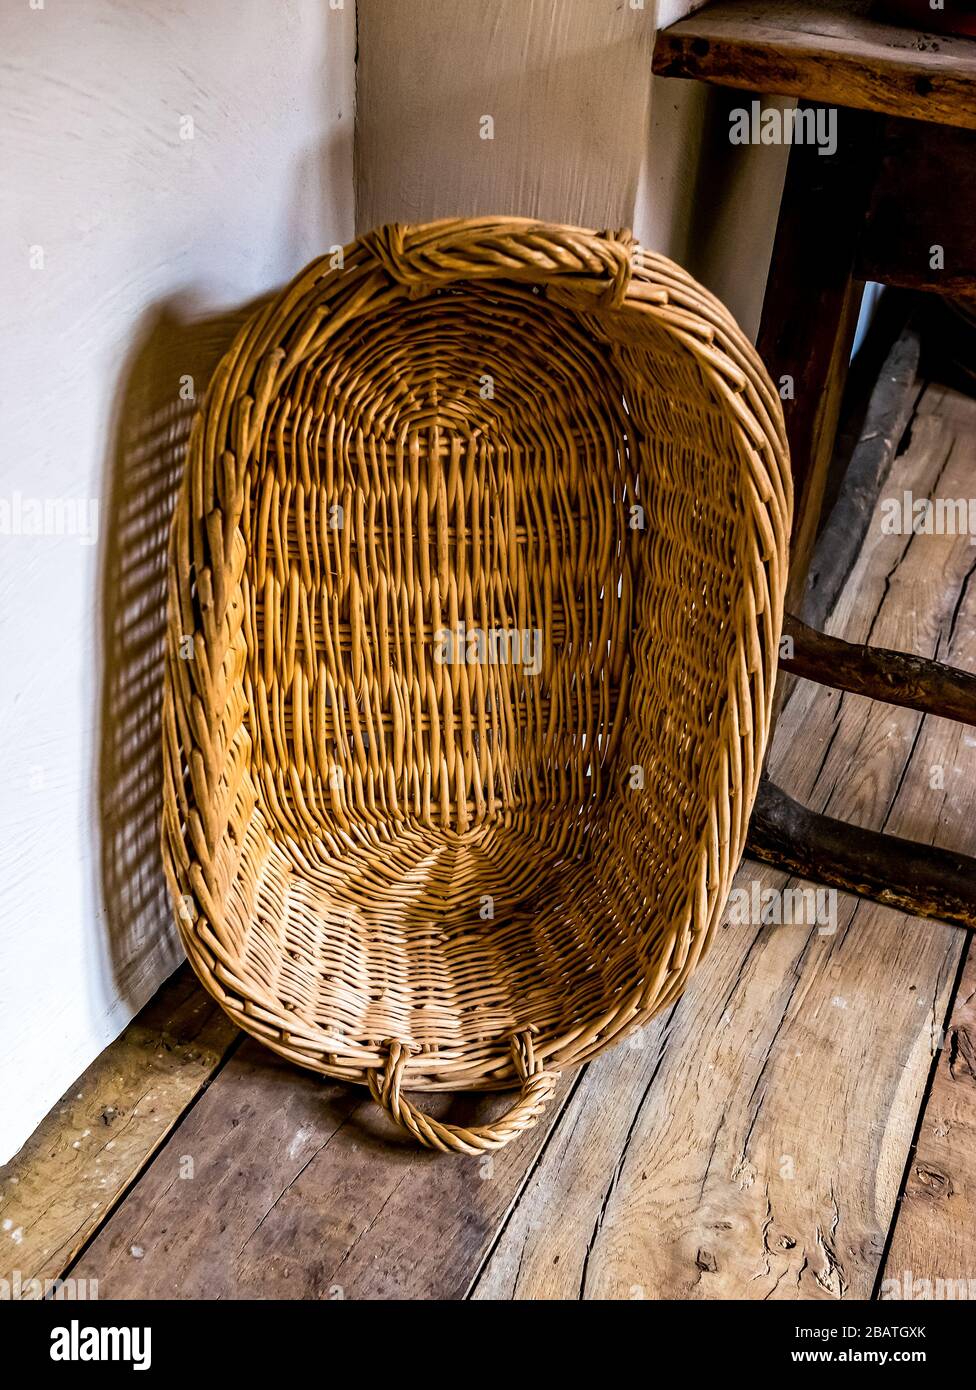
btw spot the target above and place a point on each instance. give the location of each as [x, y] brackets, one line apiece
[378, 1131]
[161, 387]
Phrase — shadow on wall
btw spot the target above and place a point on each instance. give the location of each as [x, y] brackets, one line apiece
[162, 385]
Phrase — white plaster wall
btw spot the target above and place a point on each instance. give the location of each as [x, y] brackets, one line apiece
[117, 235]
[565, 83]
[582, 132]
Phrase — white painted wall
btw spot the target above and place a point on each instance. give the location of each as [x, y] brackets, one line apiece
[136, 232]
[565, 84]
[582, 132]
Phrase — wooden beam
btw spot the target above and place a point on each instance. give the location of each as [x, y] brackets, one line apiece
[878, 673]
[917, 878]
[831, 51]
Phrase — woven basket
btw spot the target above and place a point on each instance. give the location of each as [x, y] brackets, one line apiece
[476, 587]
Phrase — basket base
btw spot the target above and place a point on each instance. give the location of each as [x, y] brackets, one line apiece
[434, 938]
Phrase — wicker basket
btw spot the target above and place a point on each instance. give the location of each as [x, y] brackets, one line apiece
[476, 587]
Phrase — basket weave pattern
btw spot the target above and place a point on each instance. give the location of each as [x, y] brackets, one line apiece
[476, 588]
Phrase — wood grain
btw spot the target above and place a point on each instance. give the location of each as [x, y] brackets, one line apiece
[301, 1188]
[897, 678]
[935, 1229]
[912, 876]
[830, 51]
[765, 1159]
[545, 1247]
[933, 1236]
[95, 1141]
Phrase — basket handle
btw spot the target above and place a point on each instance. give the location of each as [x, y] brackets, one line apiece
[593, 267]
[538, 1086]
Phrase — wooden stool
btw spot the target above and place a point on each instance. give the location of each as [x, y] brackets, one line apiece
[900, 184]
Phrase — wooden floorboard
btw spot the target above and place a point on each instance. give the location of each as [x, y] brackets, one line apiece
[933, 1252]
[282, 1185]
[58, 1188]
[934, 1236]
[752, 1142]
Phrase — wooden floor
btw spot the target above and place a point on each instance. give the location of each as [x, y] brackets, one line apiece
[800, 1125]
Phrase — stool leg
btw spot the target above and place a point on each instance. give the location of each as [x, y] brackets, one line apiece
[921, 879]
[897, 678]
[810, 309]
